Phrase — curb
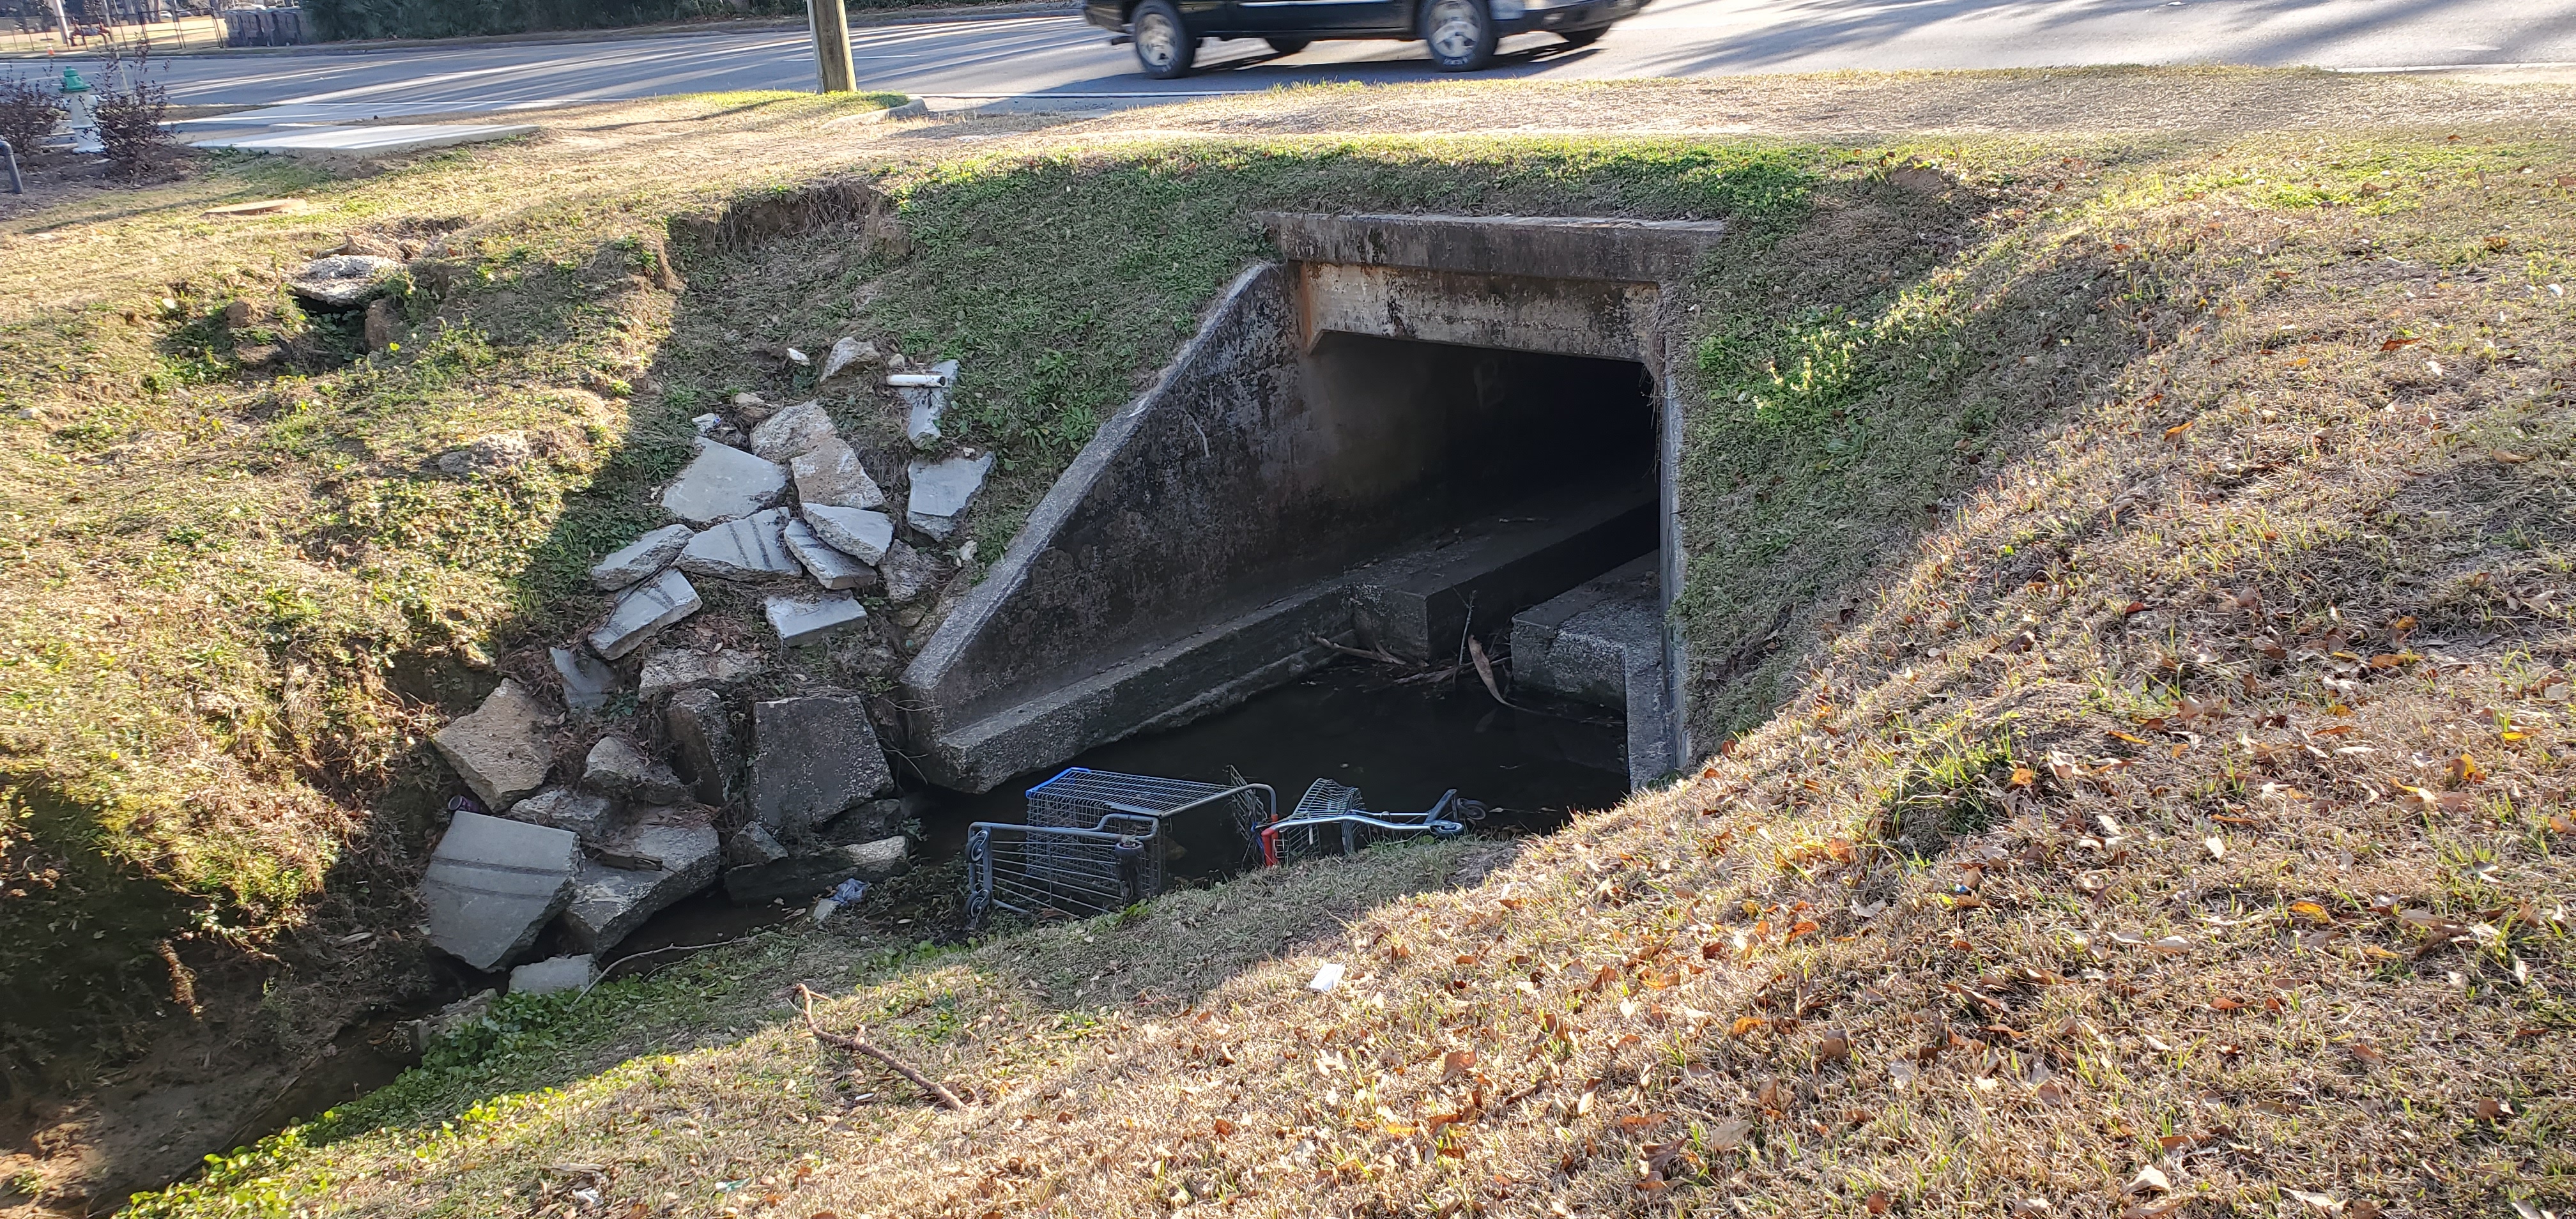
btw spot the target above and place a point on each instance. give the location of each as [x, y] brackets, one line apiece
[909, 15]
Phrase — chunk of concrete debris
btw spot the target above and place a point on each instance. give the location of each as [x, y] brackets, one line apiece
[817, 757]
[721, 484]
[829, 474]
[925, 399]
[447, 1020]
[857, 532]
[747, 549]
[672, 669]
[791, 432]
[753, 844]
[589, 816]
[587, 683]
[500, 750]
[498, 451]
[643, 610]
[493, 883]
[908, 574]
[800, 620]
[609, 903]
[670, 838]
[701, 727]
[846, 354]
[342, 281]
[829, 567]
[618, 769]
[640, 559]
[798, 877]
[752, 407]
[554, 974]
[942, 491]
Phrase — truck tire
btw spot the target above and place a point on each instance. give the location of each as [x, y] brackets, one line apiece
[1459, 33]
[1164, 47]
[1289, 46]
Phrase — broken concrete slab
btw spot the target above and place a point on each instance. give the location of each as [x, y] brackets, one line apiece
[618, 769]
[589, 816]
[670, 669]
[342, 281]
[817, 758]
[587, 684]
[500, 750]
[745, 549]
[908, 574]
[800, 620]
[701, 726]
[829, 567]
[553, 974]
[831, 475]
[859, 533]
[721, 484]
[798, 877]
[640, 559]
[643, 610]
[492, 884]
[925, 399]
[942, 491]
[609, 903]
[792, 432]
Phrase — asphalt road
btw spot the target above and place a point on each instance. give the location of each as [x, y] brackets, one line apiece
[1058, 59]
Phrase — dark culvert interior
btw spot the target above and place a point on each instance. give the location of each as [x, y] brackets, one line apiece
[1496, 482]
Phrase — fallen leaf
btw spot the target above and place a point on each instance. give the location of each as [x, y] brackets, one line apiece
[2507, 457]
[2217, 846]
[1457, 1062]
[2150, 1180]
[2226, 1005]
[2175, 432]
[1835, 1046]
[2325, 1205]
[2489, 1109]
[2394, 344]
[2465, 769]
[1223, 1127]
[1729, 1134]
[1877, 1202]
[2152, 1210]
[1639, 1121]
[2311, 911]
[2367, 1052]
[2170, 945]
[1745, 1025]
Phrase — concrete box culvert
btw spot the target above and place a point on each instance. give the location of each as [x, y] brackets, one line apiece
[1410, 428]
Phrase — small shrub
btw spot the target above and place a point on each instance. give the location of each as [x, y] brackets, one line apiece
[29, 112]
[130, 125]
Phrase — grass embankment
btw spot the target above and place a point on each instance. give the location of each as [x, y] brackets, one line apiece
[240, 599]
[2139, 568]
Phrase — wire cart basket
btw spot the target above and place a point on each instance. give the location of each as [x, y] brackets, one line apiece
[1095, 841]
[1329, 820]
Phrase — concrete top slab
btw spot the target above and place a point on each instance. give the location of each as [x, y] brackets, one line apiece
[1544, 247]
[368, 141]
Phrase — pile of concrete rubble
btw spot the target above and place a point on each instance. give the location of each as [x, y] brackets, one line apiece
[780, 798]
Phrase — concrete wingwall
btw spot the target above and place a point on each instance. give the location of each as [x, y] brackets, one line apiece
[1328, 409]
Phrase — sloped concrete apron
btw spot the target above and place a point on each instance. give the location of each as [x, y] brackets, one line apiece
[1175, 568]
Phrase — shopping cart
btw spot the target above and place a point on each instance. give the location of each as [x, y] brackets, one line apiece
[1096, 841]
[1330, 820]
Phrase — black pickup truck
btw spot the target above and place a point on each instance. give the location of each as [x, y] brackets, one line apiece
[1460, 33]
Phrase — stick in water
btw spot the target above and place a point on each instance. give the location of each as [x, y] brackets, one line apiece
[859, 1045]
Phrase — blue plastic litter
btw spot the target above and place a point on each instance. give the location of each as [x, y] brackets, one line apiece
[850, 891]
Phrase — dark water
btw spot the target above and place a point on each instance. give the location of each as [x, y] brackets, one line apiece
[1352, 723]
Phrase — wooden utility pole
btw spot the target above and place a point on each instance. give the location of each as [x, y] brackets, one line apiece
[832, 46]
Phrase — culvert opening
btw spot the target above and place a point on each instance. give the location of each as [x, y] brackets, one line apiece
[1447, 493]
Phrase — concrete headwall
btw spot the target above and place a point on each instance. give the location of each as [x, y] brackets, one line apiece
[1202, 539]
